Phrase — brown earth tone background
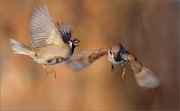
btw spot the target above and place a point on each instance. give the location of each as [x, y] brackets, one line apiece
[149, 29]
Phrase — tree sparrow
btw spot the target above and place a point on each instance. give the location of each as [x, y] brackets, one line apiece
[117, 54]
[51, 43]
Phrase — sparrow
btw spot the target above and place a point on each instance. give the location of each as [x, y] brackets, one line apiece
[52, 43]
[145, 78]
[117, 54]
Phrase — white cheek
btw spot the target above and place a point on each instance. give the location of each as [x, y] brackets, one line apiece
[111, 58]
[70, 44]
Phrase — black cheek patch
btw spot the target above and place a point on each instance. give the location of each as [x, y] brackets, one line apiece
[110, 52]
[117, 57]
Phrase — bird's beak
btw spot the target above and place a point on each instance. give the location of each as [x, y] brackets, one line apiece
[77, 40]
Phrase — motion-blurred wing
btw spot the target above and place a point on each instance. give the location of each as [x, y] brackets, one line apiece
[78, 61]
[144, 77]
[84, 59]
[65, 31]
[43, 29]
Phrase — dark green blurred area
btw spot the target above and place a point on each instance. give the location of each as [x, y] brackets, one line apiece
[149, 29]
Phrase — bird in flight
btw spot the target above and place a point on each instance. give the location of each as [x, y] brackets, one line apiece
[117, 54]
[52, 43]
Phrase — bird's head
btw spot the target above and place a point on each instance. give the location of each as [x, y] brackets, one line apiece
[115, 49]
[73, 43]
[114, 53]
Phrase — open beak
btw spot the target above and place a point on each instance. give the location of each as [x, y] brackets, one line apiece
[77, 40]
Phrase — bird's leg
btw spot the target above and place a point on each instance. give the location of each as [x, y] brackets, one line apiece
[45, 66]
[124, 71]
[49, 70]
[52, 71]
[112, 68]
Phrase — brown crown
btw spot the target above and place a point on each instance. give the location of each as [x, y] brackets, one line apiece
[116, 48]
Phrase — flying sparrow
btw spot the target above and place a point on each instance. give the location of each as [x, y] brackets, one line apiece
[52, 43]
[117, 54]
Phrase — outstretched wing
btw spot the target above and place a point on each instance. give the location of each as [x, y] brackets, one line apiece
[43, 29]
[84, 59]
[144, 76]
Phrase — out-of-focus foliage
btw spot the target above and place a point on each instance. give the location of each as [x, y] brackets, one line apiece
[149, 29]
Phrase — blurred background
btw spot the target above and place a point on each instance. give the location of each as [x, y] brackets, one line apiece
[149, 29]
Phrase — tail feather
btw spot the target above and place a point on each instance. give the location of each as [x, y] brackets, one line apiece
[18, 48]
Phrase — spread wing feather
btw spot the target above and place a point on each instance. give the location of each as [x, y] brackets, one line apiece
[43, 29]
[144, 76]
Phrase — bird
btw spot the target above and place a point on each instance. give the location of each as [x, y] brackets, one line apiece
[116, 54]
[145, 78]
[52, 43]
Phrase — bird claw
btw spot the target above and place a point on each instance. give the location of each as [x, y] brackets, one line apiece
[51, 71]
[123, 74]
[112, 68]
